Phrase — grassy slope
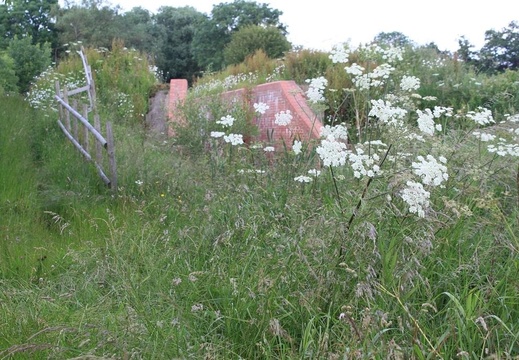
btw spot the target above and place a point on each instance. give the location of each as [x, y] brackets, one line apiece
[200, 262]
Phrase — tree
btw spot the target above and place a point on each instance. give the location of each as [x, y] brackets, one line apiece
[393, 38]
[94, 24]
[174, 30]
[137, 27]
[29, 60]
[501, 49]
[34, 18]
[215, 31]
[249, 39]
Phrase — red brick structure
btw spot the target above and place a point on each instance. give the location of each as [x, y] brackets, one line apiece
[279, 96]
[177, 94]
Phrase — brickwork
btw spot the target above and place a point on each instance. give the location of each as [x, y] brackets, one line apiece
[279, 96]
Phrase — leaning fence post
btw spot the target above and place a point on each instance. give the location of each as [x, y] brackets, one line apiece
[67, 114]
[60, 107]
[99, 147]
[111, 156]
[75, 130]
[85, 129]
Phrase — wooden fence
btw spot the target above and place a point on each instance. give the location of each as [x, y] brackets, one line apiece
[78, 129]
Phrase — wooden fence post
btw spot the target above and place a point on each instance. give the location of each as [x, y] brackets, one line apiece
[99, 147]
[67, 114]
[111, 156]
[85, 129]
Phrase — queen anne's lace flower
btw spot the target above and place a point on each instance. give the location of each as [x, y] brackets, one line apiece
[431, 171]
[296, 147]
[354, 69]
[217, 134]
[283, 118]
[337, 132]
[409, 83]
[482, 116]
[332, 152]
[339, 55]
[226, 121]
[426, 121]
[316, 89]
[416, 197]
[261, 107]
[234, 139]
[386, 113]
[303, 179]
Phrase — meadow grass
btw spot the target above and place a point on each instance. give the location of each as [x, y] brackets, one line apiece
[213, 251]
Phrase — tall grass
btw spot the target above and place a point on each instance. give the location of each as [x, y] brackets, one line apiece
[214, 251]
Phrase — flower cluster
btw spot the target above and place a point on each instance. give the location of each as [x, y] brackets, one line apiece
[431, 171]
[316, 89]
[261, 107]
[226, 121]
[364, 164]
[332, 152]
[416, 197]
[283, 118]
[297, 146]
[482, 116]
[339, 55]
[409, 83]
[234, 139]
[386, 113]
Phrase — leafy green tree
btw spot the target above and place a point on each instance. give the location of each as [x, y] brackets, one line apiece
[393, 38]
[249, 39]
[35, 18]
[173, 32]
[137, 28]
[501, 49]
[94, 24]
[215, 31]
[29, 60]
[8, 78]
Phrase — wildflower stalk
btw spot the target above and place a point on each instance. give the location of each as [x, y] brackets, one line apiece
[337, 191]
[359, 203]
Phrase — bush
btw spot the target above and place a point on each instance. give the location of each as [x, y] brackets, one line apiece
[246, 41]
[8, 78]
[29, 60]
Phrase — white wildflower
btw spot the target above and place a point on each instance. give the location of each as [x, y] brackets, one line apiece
[430, 170]
[303, 179]
[297, 146]
[316, 89]
[283, 118]
[482, 116]
[409, 83]
[226, 121]
[217, 134]
[261, 107]
[234, 139]
[339, 55]
[416, 197]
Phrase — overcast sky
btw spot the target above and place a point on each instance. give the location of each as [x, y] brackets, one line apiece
[324, 23]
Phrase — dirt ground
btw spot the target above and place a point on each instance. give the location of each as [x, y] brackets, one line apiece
[156, 118]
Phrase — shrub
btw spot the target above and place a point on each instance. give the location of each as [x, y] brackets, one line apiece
[29, 60]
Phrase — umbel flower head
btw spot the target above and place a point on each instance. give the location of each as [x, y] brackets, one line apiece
[416, 197]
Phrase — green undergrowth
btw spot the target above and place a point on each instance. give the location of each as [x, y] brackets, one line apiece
[208, 250]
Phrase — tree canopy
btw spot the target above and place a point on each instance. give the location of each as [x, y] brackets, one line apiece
[215, 32]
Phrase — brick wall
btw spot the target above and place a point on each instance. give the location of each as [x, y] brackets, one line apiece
[279, 96]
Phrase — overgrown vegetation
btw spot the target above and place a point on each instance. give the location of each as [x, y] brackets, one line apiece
[401, 243]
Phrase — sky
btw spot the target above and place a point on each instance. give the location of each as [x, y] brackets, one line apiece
[321, 24]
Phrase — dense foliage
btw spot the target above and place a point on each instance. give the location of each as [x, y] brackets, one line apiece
[402, 246]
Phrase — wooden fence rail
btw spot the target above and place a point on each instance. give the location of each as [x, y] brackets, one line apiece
[78, 129]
